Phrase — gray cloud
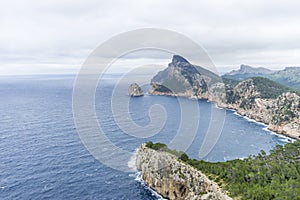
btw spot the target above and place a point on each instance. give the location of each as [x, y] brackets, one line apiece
[50, 33]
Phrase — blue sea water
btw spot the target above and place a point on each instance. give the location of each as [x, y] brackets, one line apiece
[42, 156]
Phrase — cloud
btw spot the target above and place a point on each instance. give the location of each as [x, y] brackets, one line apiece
[264, 33]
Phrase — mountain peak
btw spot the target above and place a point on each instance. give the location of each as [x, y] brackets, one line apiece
[177, 58]
[246, 69]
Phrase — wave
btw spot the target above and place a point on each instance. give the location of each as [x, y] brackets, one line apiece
[131, 162]
[254, 121]
[216, 106]
[139, 179]
[282, 138]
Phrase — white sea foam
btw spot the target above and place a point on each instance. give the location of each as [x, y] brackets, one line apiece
[235, 113]
[265, 128]
[254, 121]
[139, 179]
[216, 106]
[131, 162]
[138, 176]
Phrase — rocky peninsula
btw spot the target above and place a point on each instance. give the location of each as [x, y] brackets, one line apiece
[174, 179]
[265, 176]
[256, 97]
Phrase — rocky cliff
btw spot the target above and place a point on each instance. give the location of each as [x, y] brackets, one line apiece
[271, 105]
[257, 98]
[181, 78]
[174, 179]
[135, 90]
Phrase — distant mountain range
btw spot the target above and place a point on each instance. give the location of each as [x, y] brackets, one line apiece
[246, 69]
[290, 76]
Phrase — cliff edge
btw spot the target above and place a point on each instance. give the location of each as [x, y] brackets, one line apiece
[174, 179]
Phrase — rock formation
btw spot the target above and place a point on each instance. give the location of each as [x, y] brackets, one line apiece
[181, 78]
[135, 90]
[257, 98]
[174, 179]
[281, 114]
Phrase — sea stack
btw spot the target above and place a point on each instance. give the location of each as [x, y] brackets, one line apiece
[135, 90]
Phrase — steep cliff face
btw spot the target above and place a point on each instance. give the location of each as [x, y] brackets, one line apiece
[181, 78]
[257, 98]
[174, 179]
[280, 110]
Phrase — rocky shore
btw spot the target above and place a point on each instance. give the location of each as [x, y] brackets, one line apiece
[257, 98]
[173, 179]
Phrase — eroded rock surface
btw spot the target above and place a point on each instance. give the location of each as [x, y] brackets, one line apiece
[174, 179]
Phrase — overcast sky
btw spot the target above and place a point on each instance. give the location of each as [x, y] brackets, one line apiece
[57, 36]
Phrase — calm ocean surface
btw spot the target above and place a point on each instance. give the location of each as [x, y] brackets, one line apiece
[42, 157]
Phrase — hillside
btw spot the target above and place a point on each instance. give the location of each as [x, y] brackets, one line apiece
[274, 176]
[289, 77]
[268, 102]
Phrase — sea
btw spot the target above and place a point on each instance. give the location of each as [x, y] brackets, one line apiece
[42, 155]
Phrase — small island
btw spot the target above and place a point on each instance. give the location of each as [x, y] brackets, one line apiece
[135, 90]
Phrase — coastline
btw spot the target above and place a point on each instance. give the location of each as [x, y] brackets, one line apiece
[290, 137]
[265, 126]
[139, 176]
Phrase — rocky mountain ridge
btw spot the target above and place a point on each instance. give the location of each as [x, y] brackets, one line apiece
[246, 69]
[290, 76]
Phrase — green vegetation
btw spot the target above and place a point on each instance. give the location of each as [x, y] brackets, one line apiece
[274, 176]
[269, 89]
[288, 77]
[230, 83]
[163, 147]
[266, 89]
[156, 146]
